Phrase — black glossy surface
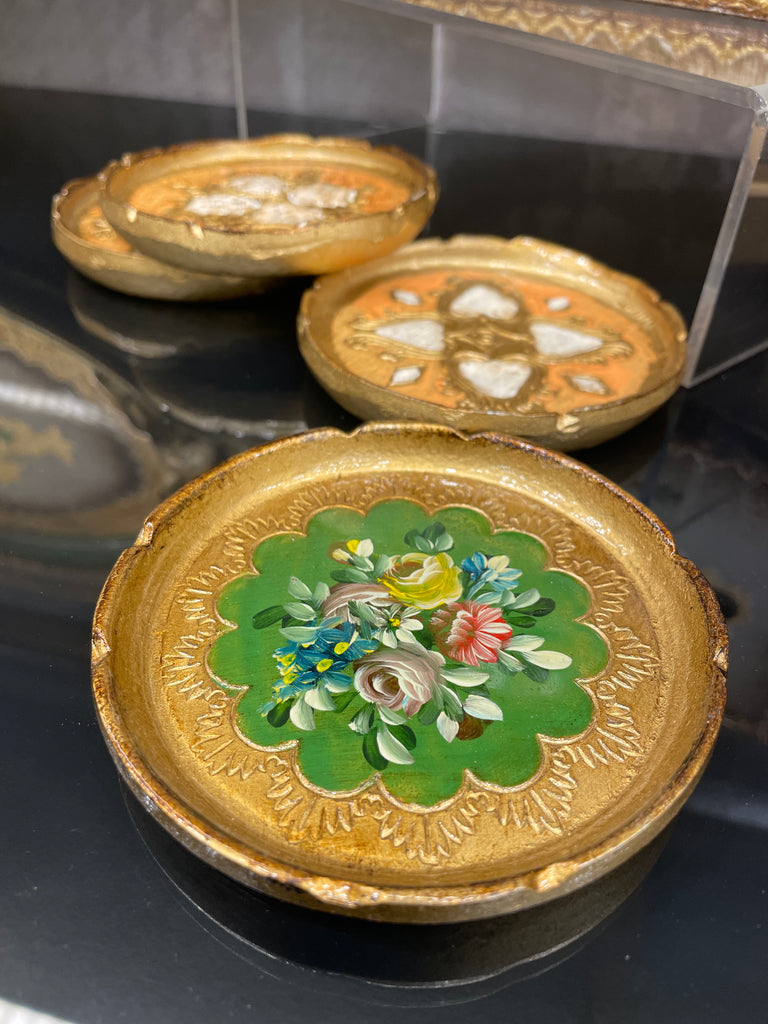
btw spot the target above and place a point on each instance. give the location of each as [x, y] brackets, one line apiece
[91, 927]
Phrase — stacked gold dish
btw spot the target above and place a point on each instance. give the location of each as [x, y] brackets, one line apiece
[88, 241]
[210, 220]
[476, 332]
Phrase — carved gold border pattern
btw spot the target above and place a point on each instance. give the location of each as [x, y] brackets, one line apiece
[728, 51]
[430, 835]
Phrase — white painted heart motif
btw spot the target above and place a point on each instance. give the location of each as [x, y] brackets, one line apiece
[482, 299]
[406, 296]
[555, 340]
[426, 335]
[222, 204]
[497, 378]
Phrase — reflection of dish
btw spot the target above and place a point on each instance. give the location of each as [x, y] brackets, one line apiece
[440, 965]
[80, 465]
[593, 795]
[200, 395]
[483, 333]
[276, 206]
[72, 461]
[246, 383]
[84, 237]
[226, 368]
[160, 330]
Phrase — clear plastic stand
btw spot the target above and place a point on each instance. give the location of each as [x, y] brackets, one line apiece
[647, 168]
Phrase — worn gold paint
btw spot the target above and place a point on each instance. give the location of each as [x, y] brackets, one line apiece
[94, 228]
[598, 797]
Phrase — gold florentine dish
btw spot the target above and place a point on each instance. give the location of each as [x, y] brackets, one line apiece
[408, 674]
[483, 333]
[275, 206]
[85, 239]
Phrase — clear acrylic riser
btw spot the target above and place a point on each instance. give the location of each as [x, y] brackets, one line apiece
[653, 170]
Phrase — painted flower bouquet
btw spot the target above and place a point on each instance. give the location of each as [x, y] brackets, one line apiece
[406, 637]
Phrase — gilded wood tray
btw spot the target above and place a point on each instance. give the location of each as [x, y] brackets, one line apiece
[408, 674]
[484, 333]
[275, 206]
[84, 237]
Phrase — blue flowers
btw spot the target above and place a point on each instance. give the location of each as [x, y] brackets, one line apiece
[494, 572]
[319, 655]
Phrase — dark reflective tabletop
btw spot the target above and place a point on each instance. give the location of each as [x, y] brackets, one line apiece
[107, 404]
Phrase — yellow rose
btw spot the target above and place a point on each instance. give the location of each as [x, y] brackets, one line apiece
[425, 581]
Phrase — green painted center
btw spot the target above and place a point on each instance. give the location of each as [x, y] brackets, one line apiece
[413, 645]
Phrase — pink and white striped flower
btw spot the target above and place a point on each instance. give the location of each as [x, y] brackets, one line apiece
[470, 632]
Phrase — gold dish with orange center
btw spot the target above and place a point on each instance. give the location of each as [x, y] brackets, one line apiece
[483, 333]
[278, 205]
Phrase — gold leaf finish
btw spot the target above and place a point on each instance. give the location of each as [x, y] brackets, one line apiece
[596, 798]
[212, 206]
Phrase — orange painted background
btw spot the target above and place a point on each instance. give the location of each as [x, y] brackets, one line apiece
[375, 359]
[168, 195]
